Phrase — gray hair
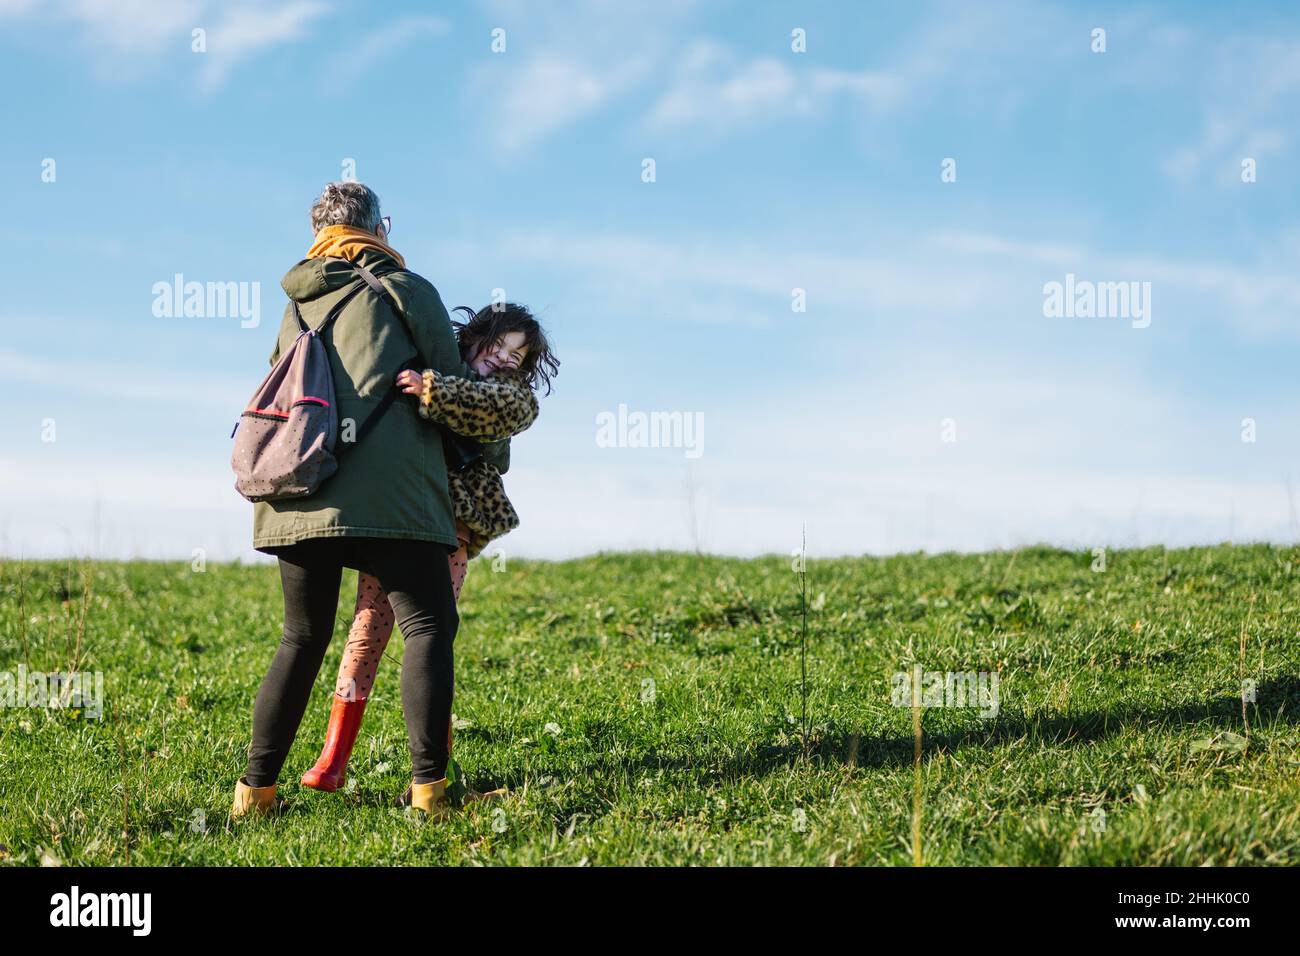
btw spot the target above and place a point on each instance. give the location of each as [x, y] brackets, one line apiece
[346, 204]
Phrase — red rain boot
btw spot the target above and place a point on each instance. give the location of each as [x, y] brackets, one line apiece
[331, 770]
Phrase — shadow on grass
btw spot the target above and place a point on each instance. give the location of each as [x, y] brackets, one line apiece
[1280, 697]
[843, 748]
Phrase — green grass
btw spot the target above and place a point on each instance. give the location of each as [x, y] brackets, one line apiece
[1119, 690]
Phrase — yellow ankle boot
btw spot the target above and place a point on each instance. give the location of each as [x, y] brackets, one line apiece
[260, 799]
[431, 798]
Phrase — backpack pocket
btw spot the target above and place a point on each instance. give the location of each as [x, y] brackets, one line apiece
[282, 454]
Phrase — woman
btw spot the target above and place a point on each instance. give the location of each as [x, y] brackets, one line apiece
[387, 511]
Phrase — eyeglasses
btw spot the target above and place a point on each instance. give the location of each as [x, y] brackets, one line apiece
[387, 223]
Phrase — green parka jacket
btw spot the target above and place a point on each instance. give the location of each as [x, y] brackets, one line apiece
[393, 484]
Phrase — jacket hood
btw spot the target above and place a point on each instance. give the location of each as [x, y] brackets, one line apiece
[313, 278]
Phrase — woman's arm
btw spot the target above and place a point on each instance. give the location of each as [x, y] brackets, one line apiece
[494, 408]
[428, 322]
[497, 454]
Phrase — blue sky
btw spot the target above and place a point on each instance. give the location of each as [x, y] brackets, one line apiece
[775, 170]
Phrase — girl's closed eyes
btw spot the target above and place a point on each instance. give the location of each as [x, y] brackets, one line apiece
[508, 352]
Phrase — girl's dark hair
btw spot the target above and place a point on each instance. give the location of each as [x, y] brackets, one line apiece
[489, 324]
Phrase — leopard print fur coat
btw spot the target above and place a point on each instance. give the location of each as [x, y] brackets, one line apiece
[493, 409]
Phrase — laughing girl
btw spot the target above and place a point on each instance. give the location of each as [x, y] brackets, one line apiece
[509, 349]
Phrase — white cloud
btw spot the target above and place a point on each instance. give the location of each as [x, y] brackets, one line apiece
[1249, 87]
[1261, 300]
[129, 28]
[990, 53]
[927, 275]
[557, 69]
[141, 506]
[1046, 454]
[982, 243]
[652, 270]
[716, 90]
[245, 30]
[1049, 446]
[708, 87]
[383, 42]
[1041, 455]
[868, 511]
[139, 384]
[548, 92]
[125, 37]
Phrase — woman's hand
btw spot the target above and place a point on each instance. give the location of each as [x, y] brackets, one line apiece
[410, 381]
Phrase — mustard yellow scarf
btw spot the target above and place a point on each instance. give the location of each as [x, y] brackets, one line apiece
[348, 242]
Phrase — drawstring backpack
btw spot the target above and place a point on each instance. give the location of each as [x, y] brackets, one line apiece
[287, 440]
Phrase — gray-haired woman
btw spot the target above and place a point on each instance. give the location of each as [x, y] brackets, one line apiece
[387, 510]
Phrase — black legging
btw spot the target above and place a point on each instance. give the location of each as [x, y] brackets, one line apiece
[418, 583]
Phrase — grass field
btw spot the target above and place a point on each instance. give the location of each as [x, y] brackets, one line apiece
[1121, 735]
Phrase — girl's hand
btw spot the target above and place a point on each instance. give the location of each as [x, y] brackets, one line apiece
[410, 381]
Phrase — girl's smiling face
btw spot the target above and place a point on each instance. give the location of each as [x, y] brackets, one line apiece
[509, 351]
